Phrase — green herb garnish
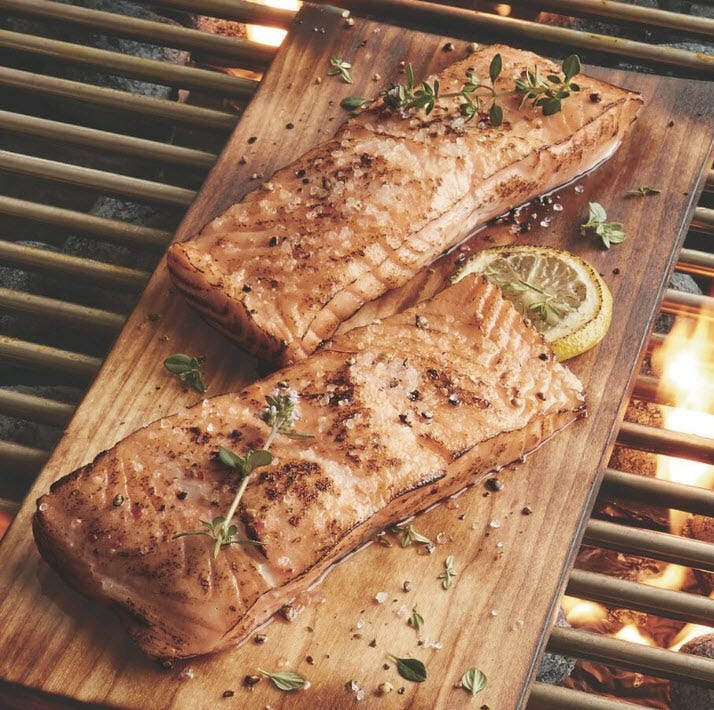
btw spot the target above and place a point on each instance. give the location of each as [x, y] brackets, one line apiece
[416, 620]
[187, 369]
[548, 92]
[480, 98]
[341, 67]
[285, 680]
[473, 681]
[643, 191]
[447, 576]
[409, 534]
[410, 669]
[280, 414]
[609, 232]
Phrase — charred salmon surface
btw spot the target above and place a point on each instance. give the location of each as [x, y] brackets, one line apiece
[362, 213]
[403, 413]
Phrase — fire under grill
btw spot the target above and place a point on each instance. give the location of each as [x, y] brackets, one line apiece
[112, 113]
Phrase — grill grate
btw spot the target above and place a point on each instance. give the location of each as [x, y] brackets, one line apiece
[48, 191]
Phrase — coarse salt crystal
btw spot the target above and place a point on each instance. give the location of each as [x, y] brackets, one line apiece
[381, 597]
[495, 524]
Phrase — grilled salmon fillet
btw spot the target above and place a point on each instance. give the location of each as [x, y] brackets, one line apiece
[362, 213]
[404, 412]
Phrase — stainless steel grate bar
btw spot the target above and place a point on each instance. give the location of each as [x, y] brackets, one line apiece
[630, 656]
[249, 54]
[31, 407]
[647, 16]
[111, 230]
[622, 594]
[98, 180]
[60, 312]
[653, 491]
[35, 356]
[126, 65]
[553, 697]
[116, 100]
[56, 264]
[647, 543]
[164, 153]
[664, 441]
[22, 459]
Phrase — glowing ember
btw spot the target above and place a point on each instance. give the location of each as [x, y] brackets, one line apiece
[634, 634]
[271, 35]
[689, 632]
[671, 577]
[579, 612]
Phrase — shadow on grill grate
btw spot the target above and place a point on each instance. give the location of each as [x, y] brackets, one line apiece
[112, 115]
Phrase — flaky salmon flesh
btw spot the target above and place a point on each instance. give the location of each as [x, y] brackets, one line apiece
[362, 213]
[403, 412]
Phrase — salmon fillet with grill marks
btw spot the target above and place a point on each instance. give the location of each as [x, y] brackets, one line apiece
[362, 213]
[404, 412]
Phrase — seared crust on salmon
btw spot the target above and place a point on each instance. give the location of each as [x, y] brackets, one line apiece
[362, 213]
[404, 412]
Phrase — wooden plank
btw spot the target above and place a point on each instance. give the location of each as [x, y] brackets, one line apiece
[512, 566]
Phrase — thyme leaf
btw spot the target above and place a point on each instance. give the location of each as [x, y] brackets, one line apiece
[643, 191]
[473, 681]
[447, 576]
[416, 620]
[410, 669]
[341, 67]
[409, 534]
[285, 680]
[187, 369]
[608, 232]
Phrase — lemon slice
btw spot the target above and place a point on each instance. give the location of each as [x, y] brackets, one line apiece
[560, 293]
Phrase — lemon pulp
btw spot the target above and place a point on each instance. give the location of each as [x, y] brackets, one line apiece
[561, 294]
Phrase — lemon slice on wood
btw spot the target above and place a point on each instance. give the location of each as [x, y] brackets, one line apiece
[560, 293]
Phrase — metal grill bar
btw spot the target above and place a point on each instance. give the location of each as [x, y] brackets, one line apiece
[126, 65]
[621, 594]
[648, 16]
[39, 409]
[694, 262]
[99, 180]
[647, 543]
[248, 54]
[687, 304]
[45, 358]
[663, 441]
[653, 491]
[106, 141]
[111, 230]
[116, 100]
[459, 22]
[553, 697]
[72, 266]
[643, 659]
[22, 459]
[62, 312]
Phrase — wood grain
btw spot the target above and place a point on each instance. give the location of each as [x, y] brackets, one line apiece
[59, 650]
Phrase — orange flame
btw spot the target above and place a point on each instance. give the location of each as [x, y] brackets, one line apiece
[271, 35]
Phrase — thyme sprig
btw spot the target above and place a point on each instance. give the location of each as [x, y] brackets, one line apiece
[285, 680]
[280, 414]
[542, 307]
[643, 191]
[480, 98]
